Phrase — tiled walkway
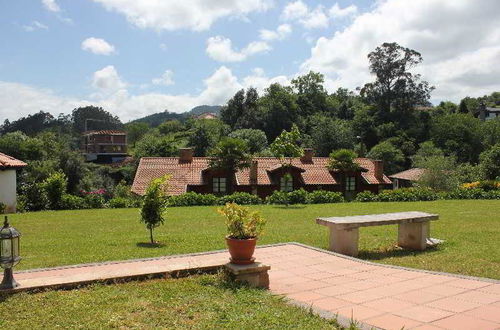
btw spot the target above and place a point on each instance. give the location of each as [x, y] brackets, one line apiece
[376, 295]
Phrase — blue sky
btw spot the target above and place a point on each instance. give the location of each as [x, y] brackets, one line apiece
[136, 57]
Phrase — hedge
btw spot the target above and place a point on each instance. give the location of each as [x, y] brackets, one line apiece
[423, 194]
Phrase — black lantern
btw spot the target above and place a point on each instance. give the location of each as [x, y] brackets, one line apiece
[9, 254]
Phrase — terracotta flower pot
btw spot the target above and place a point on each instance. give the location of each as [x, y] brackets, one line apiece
[241, 250]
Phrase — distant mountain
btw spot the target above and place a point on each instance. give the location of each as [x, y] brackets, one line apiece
[158, 118]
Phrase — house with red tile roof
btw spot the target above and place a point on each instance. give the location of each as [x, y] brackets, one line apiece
[407, 178]
[264, 176]
[8, 184]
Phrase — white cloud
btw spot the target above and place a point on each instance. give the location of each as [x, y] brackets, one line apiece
[283, 31]
[260, 81]
[310, 19]
[97, 46]
[107, 80]
[51, 5]
[220, 49]
[457, 39]
[295, 10]
[196, 15]
[337, 12]
[35, 25]
[166, 79]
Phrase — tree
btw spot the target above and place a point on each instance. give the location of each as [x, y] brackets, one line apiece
[135, 131]
[94, 118]
[311, 93]
[439, 173]
[458, 135]
[396, 90]
[392, 157]
[242, 110]
[154, 205]
[427, 149]
[279, 105]
[491, 131]
[490, 162]
[230, 154]
[154, 145]
[206, 134]
[170, 126]
[55, 187]
[286, 145]
[330, 134]
[344, 160]
[255, 138]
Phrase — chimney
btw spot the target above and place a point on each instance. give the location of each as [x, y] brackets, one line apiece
[253, 172]
[186, 155]
[378, 169]
[308, 155]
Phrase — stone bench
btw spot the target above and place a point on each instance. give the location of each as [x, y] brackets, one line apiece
[413, 231]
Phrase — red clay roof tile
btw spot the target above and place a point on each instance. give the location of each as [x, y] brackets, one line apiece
[7, 161]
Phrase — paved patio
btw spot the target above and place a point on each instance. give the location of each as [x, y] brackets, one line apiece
[376, 295]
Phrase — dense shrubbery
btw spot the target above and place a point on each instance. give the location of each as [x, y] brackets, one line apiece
[192, 199]
[424, 194]
[303, 197]
[241, 198]
[323, 196]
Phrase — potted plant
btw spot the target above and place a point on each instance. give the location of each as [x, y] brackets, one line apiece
[243, 230]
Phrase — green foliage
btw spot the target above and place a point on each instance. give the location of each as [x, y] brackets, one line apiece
[426, 150]
[72, 202]
[2, 207]
[240, 198]
[343, 159]
[154, 145]
[298, 196]
[154, 205]
[206, 134]
[439, 173]
[94, 201]
[192, 199]
[328, 134]
[241, 222]
[393, 157]
[458, 135]
[278, 197]
[230, 154]
[135, 131]
[94, 118]
[55, 187]
[491, 131]
[490, 162]
[170, 126]
[255, 138]
[119, 202]
[242, 110]
[323, 197]
[286, 144]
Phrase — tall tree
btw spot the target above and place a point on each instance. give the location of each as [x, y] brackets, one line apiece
[94, 118]
[396, 90]
[279, 104]
[311, 94]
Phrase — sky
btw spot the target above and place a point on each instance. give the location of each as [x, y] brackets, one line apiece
[138, 57]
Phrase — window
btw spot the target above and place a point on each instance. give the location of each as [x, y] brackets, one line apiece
[350, 183]
[286, 183]
[219, 185]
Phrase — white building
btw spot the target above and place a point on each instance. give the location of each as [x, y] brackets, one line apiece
[8, 168]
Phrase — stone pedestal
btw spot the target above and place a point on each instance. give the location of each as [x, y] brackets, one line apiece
[344, 241]
[255, 274]
[413, 235]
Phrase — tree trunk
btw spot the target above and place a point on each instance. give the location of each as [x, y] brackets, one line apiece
[151, 235]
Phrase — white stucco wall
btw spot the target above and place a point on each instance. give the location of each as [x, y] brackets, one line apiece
[8, 189]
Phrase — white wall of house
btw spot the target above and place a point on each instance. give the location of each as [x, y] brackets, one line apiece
[8, 189]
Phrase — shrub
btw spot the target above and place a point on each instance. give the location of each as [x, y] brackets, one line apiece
[72, 202]
[94, 201]
[278, 197]
[425, 194]
[155, 205]
[366, 196]
[297, 196]
[323, 196]
[55, 187]
[2, 207]
[488, 185]
[492, 194]
[192, 199]
[241, 198]
[119, 203]
[461, 193]
[241, 222]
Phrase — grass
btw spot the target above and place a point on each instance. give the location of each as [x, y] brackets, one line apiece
[470, 228]
[199, 302]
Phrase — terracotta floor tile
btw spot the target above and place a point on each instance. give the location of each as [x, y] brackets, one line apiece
[333, 291]
[279, 274]
[330, 303]
[423, 313]
[361, 285]
[467, 284]
[408, 274]
[464, 322]
[493, 289]
[391, 322]
[311, 285]
[342, 280]
[417, 296]
[293, 280]
[427, 327]
[453, 305]
[359, 297]
[305, 296]
[478, 296]
[319, 275]
[389, 305]
[486, 312]
[444, 290]
[358, 312]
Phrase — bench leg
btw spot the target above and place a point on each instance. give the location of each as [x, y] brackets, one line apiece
[413, 235]
[344, 241]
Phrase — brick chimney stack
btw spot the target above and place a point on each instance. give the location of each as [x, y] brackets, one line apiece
[379, 169]
[253, 172]
[186, 155]
[308, 155]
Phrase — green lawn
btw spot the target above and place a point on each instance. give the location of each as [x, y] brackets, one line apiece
[199, 302]
[471, 229]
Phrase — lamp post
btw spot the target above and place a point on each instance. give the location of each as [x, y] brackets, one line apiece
[9, 254]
